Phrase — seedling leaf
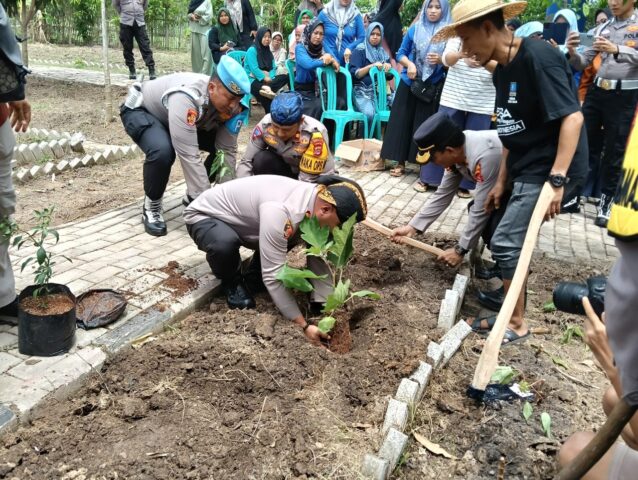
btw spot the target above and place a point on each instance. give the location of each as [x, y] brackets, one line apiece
[367, 294]
[338, 297]
[503, 375]
[326, 323]
[560, 362]
[549, 307]
[296, 278]
[546, 424]
[527, 411]
[340, 252]
[313, 233]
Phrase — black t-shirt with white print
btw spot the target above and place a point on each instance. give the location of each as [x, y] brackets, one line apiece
[534, 92]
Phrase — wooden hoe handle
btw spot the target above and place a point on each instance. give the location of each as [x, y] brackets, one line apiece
[489, 356]
[382, 229]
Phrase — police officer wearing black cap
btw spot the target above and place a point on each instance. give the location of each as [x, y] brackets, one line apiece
[287, 142]
[180, 114]
[473, 155]
[263, 213]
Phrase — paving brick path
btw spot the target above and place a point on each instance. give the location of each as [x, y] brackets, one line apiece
[111, 250]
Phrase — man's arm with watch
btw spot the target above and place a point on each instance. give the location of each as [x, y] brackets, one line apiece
[567, 142]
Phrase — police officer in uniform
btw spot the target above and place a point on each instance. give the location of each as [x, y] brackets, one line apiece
[263, 213]
[182, 114]
[287, 142]
[473, 155]
[612, 99]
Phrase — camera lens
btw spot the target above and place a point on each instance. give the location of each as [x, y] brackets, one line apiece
[568, 297]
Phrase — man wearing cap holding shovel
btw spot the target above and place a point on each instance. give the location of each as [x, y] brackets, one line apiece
[287, 142]
[180, 114]
[263, 213]
[475, 156]
[538, 121]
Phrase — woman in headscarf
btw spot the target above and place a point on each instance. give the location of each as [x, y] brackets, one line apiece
[298, 33]
[309, 55]
[568, 16]
[223, 36]
[200, 13]
[279, 52]
[530, 30]
[421, 59]
[262, 71]
[343, 29]
[311, 6]
[304, 18]
[242, 16]
[388, 16]
[367, 55]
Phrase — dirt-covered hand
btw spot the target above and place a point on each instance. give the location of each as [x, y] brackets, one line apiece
[314, 336]
[450, 258]
[554, 207]
[400, 232]
[20, 112]
[596, 338]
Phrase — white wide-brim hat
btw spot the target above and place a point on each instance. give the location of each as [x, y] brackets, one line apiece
[468, 10]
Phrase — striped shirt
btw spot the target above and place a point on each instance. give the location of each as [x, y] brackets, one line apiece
[467, 89]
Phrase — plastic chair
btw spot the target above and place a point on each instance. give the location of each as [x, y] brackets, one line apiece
[329, 104]
[238, 55]
[382, 112]
[290, 65]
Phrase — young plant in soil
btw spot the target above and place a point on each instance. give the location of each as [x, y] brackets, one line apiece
[336, 250]
[40, 236]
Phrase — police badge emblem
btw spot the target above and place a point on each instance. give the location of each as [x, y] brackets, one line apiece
[191, 117]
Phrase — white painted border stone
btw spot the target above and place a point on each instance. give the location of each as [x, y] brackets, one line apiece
[392, 448]
[396, 416]
[460, 286]
[434, 354]
[421, 376]
[453, 339]
[449, 308]
[375, 468]
[408, 392]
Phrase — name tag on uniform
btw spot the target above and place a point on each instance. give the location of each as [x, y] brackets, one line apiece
[313, 161]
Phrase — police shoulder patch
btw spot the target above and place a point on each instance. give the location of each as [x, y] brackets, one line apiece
[191, 117]
[257, 133]
[288, 229]
[478, 175]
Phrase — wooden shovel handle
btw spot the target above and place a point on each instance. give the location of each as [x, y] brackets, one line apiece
[382, 229]
[489, 356]
[596, 448]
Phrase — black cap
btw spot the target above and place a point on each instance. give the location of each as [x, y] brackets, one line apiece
[434, 133]
[346, 195]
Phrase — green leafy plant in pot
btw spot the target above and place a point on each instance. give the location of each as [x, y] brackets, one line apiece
[336, 249]
[46, 311]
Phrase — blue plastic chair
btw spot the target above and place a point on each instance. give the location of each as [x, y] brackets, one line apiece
[382, 112]
[290, 65]
[329, 103]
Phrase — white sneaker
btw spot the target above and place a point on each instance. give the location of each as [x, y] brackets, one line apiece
[267, 92]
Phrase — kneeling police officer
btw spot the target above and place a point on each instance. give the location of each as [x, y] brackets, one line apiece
[181, 114]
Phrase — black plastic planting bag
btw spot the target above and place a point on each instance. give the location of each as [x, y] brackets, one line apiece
[99, 307]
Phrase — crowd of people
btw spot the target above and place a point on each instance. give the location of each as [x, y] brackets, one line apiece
[483, 102]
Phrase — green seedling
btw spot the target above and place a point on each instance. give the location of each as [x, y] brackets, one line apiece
[549, 307]
[560, 362]
[40, 237]
[570, 332]
[546, 424]
[219, 168]
[503, 375]
[8, 227]
[336, 249]
[527, 411]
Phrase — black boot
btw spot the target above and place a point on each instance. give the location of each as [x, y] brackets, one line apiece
[492, 300]
[152, 217]
[485, 273]
[237, 296]
[131, 73]
[604, 211]
[9, 313]
[252, 275]
[151, 73]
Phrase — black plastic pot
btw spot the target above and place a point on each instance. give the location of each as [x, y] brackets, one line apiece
[48, 335]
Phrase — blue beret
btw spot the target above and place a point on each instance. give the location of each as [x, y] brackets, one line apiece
[233, 76]
[286, 108]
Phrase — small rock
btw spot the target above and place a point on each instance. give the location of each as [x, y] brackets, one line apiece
[133, 408]
[187, 366]
[265, 326]
[214, 307]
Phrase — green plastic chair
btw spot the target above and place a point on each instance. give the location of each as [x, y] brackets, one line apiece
[238, 55]
[329, 103]
[382, 112]
[290, 65]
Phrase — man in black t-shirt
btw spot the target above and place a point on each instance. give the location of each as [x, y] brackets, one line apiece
[539, 123]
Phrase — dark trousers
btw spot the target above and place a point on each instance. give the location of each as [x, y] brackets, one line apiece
[154, 140]
[276, 84]
[267, 162]
[221, 245]
[612, 110]
[137, 32]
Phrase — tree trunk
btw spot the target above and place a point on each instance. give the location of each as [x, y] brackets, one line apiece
[25, 32]
[108, 104]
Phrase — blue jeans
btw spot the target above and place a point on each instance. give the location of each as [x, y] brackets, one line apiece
[366, 106]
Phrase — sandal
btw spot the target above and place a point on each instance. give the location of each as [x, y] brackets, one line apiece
[511, 337]
[463, 193]
[397, 171]
[477, 324]
[420, 186]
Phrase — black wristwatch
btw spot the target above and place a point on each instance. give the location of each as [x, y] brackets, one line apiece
[460, 250]
[558, 180]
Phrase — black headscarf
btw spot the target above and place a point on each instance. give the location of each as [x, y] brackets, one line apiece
[345, 195]
[265, 58]
[193, 4]
[315, 51]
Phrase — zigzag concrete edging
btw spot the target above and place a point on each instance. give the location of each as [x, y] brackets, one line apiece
[380, 466]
